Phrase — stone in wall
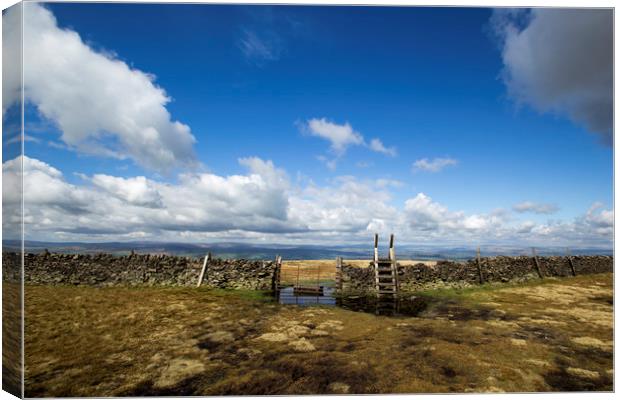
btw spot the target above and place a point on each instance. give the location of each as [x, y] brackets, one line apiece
[357, 280]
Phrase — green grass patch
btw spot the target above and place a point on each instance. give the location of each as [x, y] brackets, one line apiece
[248, 294]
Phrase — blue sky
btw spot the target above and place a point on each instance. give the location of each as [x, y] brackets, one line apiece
[502, 152]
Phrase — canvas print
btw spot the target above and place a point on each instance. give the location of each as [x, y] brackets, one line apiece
[228, 199]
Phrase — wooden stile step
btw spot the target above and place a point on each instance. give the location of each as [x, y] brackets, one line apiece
[386, 274]
[308, 290]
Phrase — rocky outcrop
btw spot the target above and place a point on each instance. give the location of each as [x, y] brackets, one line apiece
[149, 270]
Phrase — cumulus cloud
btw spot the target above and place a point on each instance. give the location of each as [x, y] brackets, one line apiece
[561, 61]
[536, 208]
[101, 105]
[138, 191]
[201, 202]
[262, 205]
[425, 215]
[378, 146]
[341, 137]
[346, 205]
[434, 165]
[44, 184]
[11, 49]
[598, 219]
[592, 228]
[526, 227]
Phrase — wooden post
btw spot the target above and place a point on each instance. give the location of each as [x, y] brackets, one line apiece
[298, 267]
[570, 262]
[536, 262]
[276, 275]
[279, 267]
[392, 256]
[339, 272]
[376, 263]
[204, 269]
[479, 265]
[318, 276]
[376, 248]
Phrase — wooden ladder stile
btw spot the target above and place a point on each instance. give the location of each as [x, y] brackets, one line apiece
[394, 264]
[386, 274]
[376, 261]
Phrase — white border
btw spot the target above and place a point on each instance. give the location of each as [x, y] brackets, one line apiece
[462, 3]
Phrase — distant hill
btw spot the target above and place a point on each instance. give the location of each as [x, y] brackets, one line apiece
[290, 252]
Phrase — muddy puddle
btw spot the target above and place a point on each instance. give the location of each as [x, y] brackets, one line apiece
[409, 306]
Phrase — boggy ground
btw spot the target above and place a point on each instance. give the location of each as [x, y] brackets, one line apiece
[551, 335]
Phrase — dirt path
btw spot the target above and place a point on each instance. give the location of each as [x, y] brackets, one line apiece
[548, 336]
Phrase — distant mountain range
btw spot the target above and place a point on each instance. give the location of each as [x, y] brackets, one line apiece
[290, 252]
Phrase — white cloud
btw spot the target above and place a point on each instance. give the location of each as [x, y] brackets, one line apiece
[101, 105]
[384, 183]
[561, 61]
[526, 227]
[117, 206]
[593, 227]
[536, 208]
[11, 49]
[262, 205]
[138, 191]
[339, 136]
[43, 183]
[434, 165]
[259, 49]
[329, 162]
[424, 215]
[346, 205]
[599, 219]
[377, 145]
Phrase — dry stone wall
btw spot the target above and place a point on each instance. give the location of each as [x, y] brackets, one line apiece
[134, 270]
[149, 270]
[462, 274]
[356, 279]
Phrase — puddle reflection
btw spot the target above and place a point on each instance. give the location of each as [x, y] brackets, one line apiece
[395, 307]
[286, 295]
